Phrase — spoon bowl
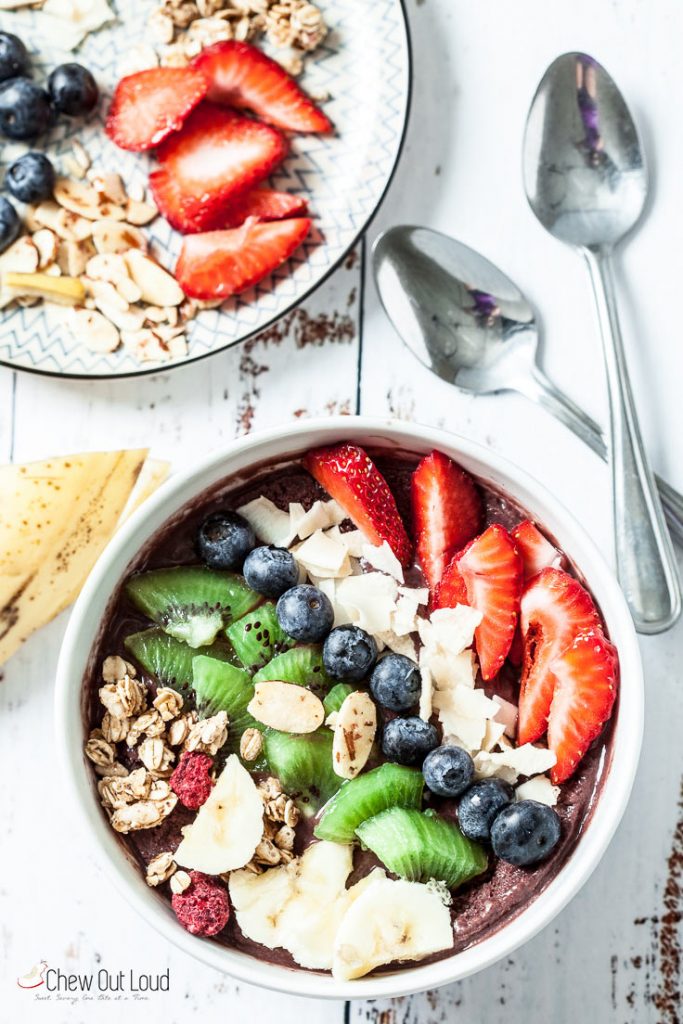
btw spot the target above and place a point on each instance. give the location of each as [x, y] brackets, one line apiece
[584, 170]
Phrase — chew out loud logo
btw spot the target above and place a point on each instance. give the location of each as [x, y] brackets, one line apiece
[102, 981]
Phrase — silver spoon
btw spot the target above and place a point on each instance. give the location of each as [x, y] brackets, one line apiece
[472, 326]
[586, 182]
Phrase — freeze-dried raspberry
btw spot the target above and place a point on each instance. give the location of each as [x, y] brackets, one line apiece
[191, 781]
[204, 907]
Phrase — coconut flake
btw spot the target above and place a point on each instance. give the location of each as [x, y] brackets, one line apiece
[418, 594]
[369, 600]
[404, 645]
[506, 714]
[538, 788]
[383, 558]
[269, 523]
[323, 555]
[320, 516]
[426, 708]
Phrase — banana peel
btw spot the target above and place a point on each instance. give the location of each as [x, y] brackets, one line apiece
[56, 517]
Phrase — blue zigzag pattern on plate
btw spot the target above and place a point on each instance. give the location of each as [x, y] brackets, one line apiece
[363, 66]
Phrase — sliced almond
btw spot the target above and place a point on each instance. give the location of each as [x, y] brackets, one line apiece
[77, 197]
[80, 155]
[107, 267]
[109, 186]
[354, 733]
[72, 258]
[158, 287]
[73, 168]
[117, 236]
[157, 314]
[46, 243]
[106, 292]
[140, 212]
[94, 330]
[286, 707]
[21, 257]
[129, 320]
[69, 226]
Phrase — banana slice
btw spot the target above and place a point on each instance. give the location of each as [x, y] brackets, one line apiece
[68, 291]
[299, 906]
[390, 920]
[228, 827]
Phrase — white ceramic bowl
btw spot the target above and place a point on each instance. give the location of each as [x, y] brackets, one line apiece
[87, 617]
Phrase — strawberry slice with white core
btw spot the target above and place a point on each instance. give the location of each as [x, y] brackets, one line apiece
[214, 160]
[217, 264]
[239, 75]
[264, 204]
[536, 550]
[491, 570]
[586, 682]
[349, 475]
[554, 609]
[448, 511]
[151, 104]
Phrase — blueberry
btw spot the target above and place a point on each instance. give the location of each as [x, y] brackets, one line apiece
[396, 682]
[408, 740]
[305, 613]
[10, 225]
[448, 771]
[14, 58]
[31, 178]
[270, 570]
[224, 540]
[25, 110]
[349, 654]
[525, 832]
[480, 805]
[73, 90]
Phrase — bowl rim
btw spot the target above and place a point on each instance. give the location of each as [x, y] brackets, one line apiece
[108, 852]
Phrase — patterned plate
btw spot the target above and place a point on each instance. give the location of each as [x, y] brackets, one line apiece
[364, 65]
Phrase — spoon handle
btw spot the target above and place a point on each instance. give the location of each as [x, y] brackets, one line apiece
[645, 559]
[542, 390]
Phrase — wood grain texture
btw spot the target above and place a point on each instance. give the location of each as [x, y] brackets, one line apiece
[614, 955]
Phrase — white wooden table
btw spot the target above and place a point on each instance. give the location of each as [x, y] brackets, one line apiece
[615, 953]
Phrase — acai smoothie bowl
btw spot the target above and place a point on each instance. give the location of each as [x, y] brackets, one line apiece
[352, 709]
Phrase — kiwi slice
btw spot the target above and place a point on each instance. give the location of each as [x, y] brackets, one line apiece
[390, 785]
[170, 660]
[190, 602]
[257, 636]
[336, 697]
[303, 764]
[220, 686]
[302, 665]
[419, 846]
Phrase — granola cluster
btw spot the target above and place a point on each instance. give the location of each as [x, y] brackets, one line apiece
[280, 818]
[180, 29]
[164, 734]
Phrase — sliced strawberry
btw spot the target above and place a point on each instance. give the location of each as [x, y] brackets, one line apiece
[516, 652]
[451, 590]
[536, 550]
[241, 76]
[554, 609]
[264, 204]
[216, 264]
[151, 104]
[587, 678]
[492, 573]
[349, 475]
[214, 160]
[448, 511]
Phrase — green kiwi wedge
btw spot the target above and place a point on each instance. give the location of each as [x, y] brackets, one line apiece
[390, 785]
[190, 602]
[333, 700]
[169, 660]
[257, 637]
[302, 665]
[419, 846]
[303, 764]
[220, 686]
